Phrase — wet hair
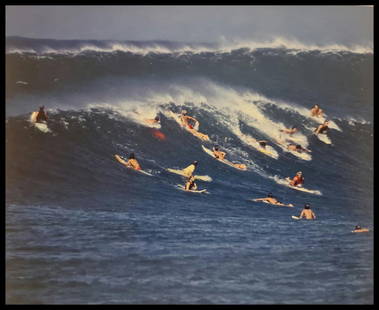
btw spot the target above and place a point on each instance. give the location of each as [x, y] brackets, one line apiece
[156, 118]
[216, 148]
[307, 206]
[262, 143]
[357, 227]
[270, 195]
[42, 107]
[132, 156]
[298, 146]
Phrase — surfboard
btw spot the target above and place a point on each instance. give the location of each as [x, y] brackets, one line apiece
[295, 217]
[205, 178]
[42, 126]
[225, 161]
[286, 181]
[323, 137]
[322, 119]
[124, 162]
[181, 187]
[193, 131]
[273, 204]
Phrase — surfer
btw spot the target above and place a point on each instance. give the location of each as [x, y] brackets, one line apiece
[359, 229]
[307, 213]
[186, 120]
[262, 143]
[218, 154]
[297, 180]
[316, 111]
[41, 116]
[323, 128]
[190, 184]
[188, 171]
[297, 148]
[290, 131]
[153, 121]
[271, 199]
[132, 162]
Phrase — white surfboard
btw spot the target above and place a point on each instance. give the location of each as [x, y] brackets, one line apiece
[286, 181]
[199, 191]
[42, 126]
[295, 217]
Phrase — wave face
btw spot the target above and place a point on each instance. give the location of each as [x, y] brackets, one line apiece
[97, 100]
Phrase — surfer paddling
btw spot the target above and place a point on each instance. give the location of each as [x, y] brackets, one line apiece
[188, 121]
[297, 180]
[289, 131]
[273, 200]
[307, 213]
[132, 162]
[153, 121]
[297, 148]
[221, 156]
[323, 128]
[358, 229]
[316, 111]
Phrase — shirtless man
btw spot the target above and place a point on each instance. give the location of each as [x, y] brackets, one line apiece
[271, 199]
[186, 120]
[153, 121]
[323, 128]
[297, 148]
[133, 163]
[359, 229]
[218, 154]
[298, 179]
[190, 184]
[290, 131]
[316, 111]
[307, 213]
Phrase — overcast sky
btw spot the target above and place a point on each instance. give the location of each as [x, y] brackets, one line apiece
[309, 24]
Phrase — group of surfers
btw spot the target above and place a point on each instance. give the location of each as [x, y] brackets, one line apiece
[190, 185]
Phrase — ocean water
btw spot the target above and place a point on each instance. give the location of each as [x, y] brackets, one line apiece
[83, 229]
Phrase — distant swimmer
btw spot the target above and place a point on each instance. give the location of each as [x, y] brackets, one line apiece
[358, 229]
[153, 121]
[298, 179]
[297, 148]
[290, 131]
[323, 128]
[187, 120]
[189, 170]
[273, 200]
[307, 213]
[316, 111]
[132, 162]
[190, 184]
[218, 154]
[42, 115]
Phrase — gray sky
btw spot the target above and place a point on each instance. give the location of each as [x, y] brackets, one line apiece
[309, 24]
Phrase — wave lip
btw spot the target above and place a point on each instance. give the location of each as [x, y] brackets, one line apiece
[75, 47]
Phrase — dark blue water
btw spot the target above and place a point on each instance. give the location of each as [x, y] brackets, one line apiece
[83, 229]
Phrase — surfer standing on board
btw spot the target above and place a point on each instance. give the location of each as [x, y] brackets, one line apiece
[307, 213]
[298, 179]
[41, 116]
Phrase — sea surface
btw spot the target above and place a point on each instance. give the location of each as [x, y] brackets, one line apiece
[83, 229]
